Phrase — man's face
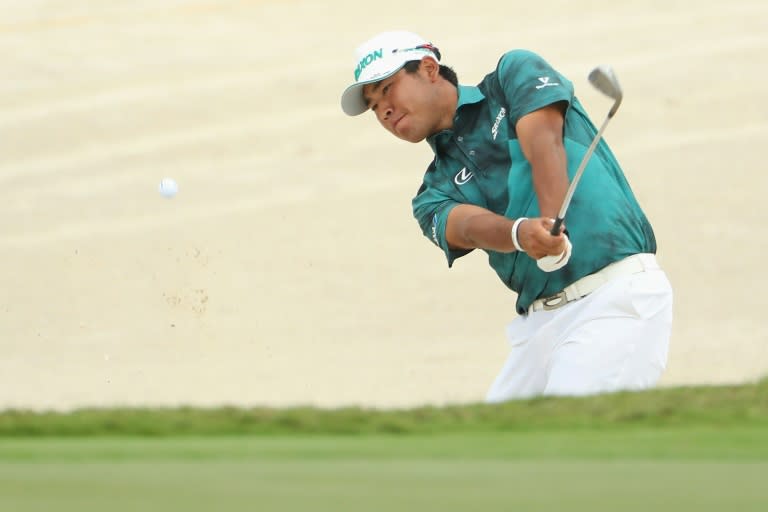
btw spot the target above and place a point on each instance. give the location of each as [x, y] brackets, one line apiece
[404, 103]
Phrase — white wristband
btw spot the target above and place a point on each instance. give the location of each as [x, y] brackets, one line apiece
[515, 226]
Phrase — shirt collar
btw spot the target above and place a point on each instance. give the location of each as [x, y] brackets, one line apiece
[468, 94]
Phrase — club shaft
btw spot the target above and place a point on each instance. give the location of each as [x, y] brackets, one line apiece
[572, 187]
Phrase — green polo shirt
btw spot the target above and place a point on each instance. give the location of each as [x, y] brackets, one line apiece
[479, 161]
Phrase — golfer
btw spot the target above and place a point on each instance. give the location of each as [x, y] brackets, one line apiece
[594, 309]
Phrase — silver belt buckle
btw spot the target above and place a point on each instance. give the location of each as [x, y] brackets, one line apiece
[554, 301]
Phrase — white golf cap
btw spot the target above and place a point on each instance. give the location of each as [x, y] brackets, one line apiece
[380, 57]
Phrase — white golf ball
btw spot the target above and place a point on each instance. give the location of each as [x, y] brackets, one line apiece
[168, 187]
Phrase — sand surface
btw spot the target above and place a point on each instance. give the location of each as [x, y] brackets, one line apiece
[289, 270]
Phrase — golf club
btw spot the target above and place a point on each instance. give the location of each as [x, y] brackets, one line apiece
[604, 80]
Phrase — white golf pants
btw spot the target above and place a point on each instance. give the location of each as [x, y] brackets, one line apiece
[615, 338]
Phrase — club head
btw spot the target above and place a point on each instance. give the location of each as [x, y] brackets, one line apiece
[604, 80]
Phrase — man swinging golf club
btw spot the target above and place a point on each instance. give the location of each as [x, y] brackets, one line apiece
[594, 310]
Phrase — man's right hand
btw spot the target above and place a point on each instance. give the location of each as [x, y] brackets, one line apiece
[535, 238]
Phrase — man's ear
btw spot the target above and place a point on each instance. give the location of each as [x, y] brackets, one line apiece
[431, 67]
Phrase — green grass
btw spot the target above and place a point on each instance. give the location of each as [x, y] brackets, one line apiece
[357, 485]
[704, 469]
[698, 449]
[688, 406]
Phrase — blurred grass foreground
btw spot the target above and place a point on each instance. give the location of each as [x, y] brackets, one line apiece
[683, 407]
[676, 449]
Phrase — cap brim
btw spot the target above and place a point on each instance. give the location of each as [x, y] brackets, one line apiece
[352, 101]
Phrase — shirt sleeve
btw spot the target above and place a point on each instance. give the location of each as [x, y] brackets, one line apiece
[431, 207]
[529, 83]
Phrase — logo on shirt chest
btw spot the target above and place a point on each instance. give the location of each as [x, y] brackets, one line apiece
[462, 176]
[497, 122]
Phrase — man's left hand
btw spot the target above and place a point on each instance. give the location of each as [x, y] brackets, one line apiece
[552, 263]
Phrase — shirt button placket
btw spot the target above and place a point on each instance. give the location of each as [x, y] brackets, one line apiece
[470, 153]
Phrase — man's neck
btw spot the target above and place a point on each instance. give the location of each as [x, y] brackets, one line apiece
[449, 101]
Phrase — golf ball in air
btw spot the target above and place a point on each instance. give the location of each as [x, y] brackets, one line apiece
[168, 187]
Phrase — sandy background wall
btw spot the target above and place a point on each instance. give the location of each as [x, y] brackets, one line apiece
[289, 270]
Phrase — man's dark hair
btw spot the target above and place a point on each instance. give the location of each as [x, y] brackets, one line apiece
[445, 71]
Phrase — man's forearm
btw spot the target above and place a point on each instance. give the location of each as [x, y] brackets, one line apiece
[540, 134]
[487, 231]
[550, 176]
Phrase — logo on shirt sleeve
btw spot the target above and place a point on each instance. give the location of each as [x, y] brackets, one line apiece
[545, 82]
